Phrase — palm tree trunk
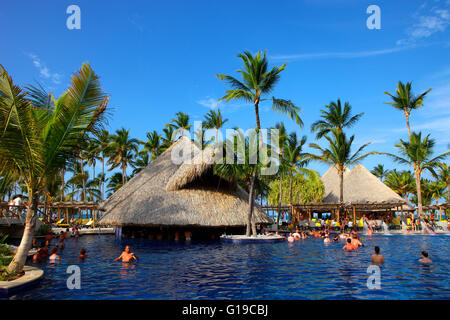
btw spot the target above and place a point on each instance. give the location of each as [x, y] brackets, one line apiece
[280, 200]
[62, 182]
[341, 189]
[290, 188]
[217, 137]
[250, 205]
[419, 194]
[123, 174]
[103, 178]
[407, 123]
[251, 220]
[82, 178]
[20, 257]
[341, 184]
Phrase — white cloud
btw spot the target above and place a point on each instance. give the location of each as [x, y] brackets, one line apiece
[44, 71]
[428, 22]
[341, 55]
[209, 102]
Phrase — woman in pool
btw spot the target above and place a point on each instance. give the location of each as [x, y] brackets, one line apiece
[54, 256]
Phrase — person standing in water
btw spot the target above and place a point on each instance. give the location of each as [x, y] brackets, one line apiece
[425, 258]
[377, 258]
[349, 246]
[127, 256]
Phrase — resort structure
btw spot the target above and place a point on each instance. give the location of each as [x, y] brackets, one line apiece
[172, 201]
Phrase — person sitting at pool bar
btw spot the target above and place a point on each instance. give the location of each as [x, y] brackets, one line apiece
[127, 256]
[425, 258]
[349, 246]
[377, 258]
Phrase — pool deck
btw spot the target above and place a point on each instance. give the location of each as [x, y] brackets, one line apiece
[87, 231]
[31, 277]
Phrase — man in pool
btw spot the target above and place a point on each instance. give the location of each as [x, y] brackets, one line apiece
[127, 256]
[349, 245]
[425, 258]
[377, 258]
[355, 241]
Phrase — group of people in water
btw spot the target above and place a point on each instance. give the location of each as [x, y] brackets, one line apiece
[42, 249]
[43, 254]
[352, 242]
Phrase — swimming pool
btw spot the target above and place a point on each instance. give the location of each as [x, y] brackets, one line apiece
[307, 269]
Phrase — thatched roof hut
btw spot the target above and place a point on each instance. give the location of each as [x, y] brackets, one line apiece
[360, 186]
[174, 193]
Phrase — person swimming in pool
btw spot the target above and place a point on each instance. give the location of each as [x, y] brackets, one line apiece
[377, 258]
[425, 258]
[54, 256]
[127, 256]
[349, 245]
[355, 241]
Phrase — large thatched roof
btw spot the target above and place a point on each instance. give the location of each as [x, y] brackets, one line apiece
[360, 186]
[183, 193]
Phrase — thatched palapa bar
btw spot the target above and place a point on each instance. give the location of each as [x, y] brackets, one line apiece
[171, 198]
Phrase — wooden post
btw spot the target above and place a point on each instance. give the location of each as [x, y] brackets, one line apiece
[354, 216]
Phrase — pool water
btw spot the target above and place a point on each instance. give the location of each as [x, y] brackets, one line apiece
[307, 269]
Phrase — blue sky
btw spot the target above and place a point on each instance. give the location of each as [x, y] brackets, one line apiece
[156, 58]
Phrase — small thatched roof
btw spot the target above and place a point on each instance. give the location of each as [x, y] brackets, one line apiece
[360, 186]
[167, 193]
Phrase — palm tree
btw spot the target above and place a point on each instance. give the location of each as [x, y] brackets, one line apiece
[257, 81]
[102, 140]
[115, 183]
[180, 123]
[152, 145]
[199, 139]
[282, 138]
[443, 176]
[402, 183]
[78, 180]
[121, 150]
[437, 190]
[92, 155]
[418, 154]
[339, 155]
[379, 172]
[294, 157]
[167, 138]
[406, 101]
[141, 162]
[214, 120]
[38, 138]
[335, 117]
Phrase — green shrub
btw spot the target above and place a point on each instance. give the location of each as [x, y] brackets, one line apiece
[43, 230]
